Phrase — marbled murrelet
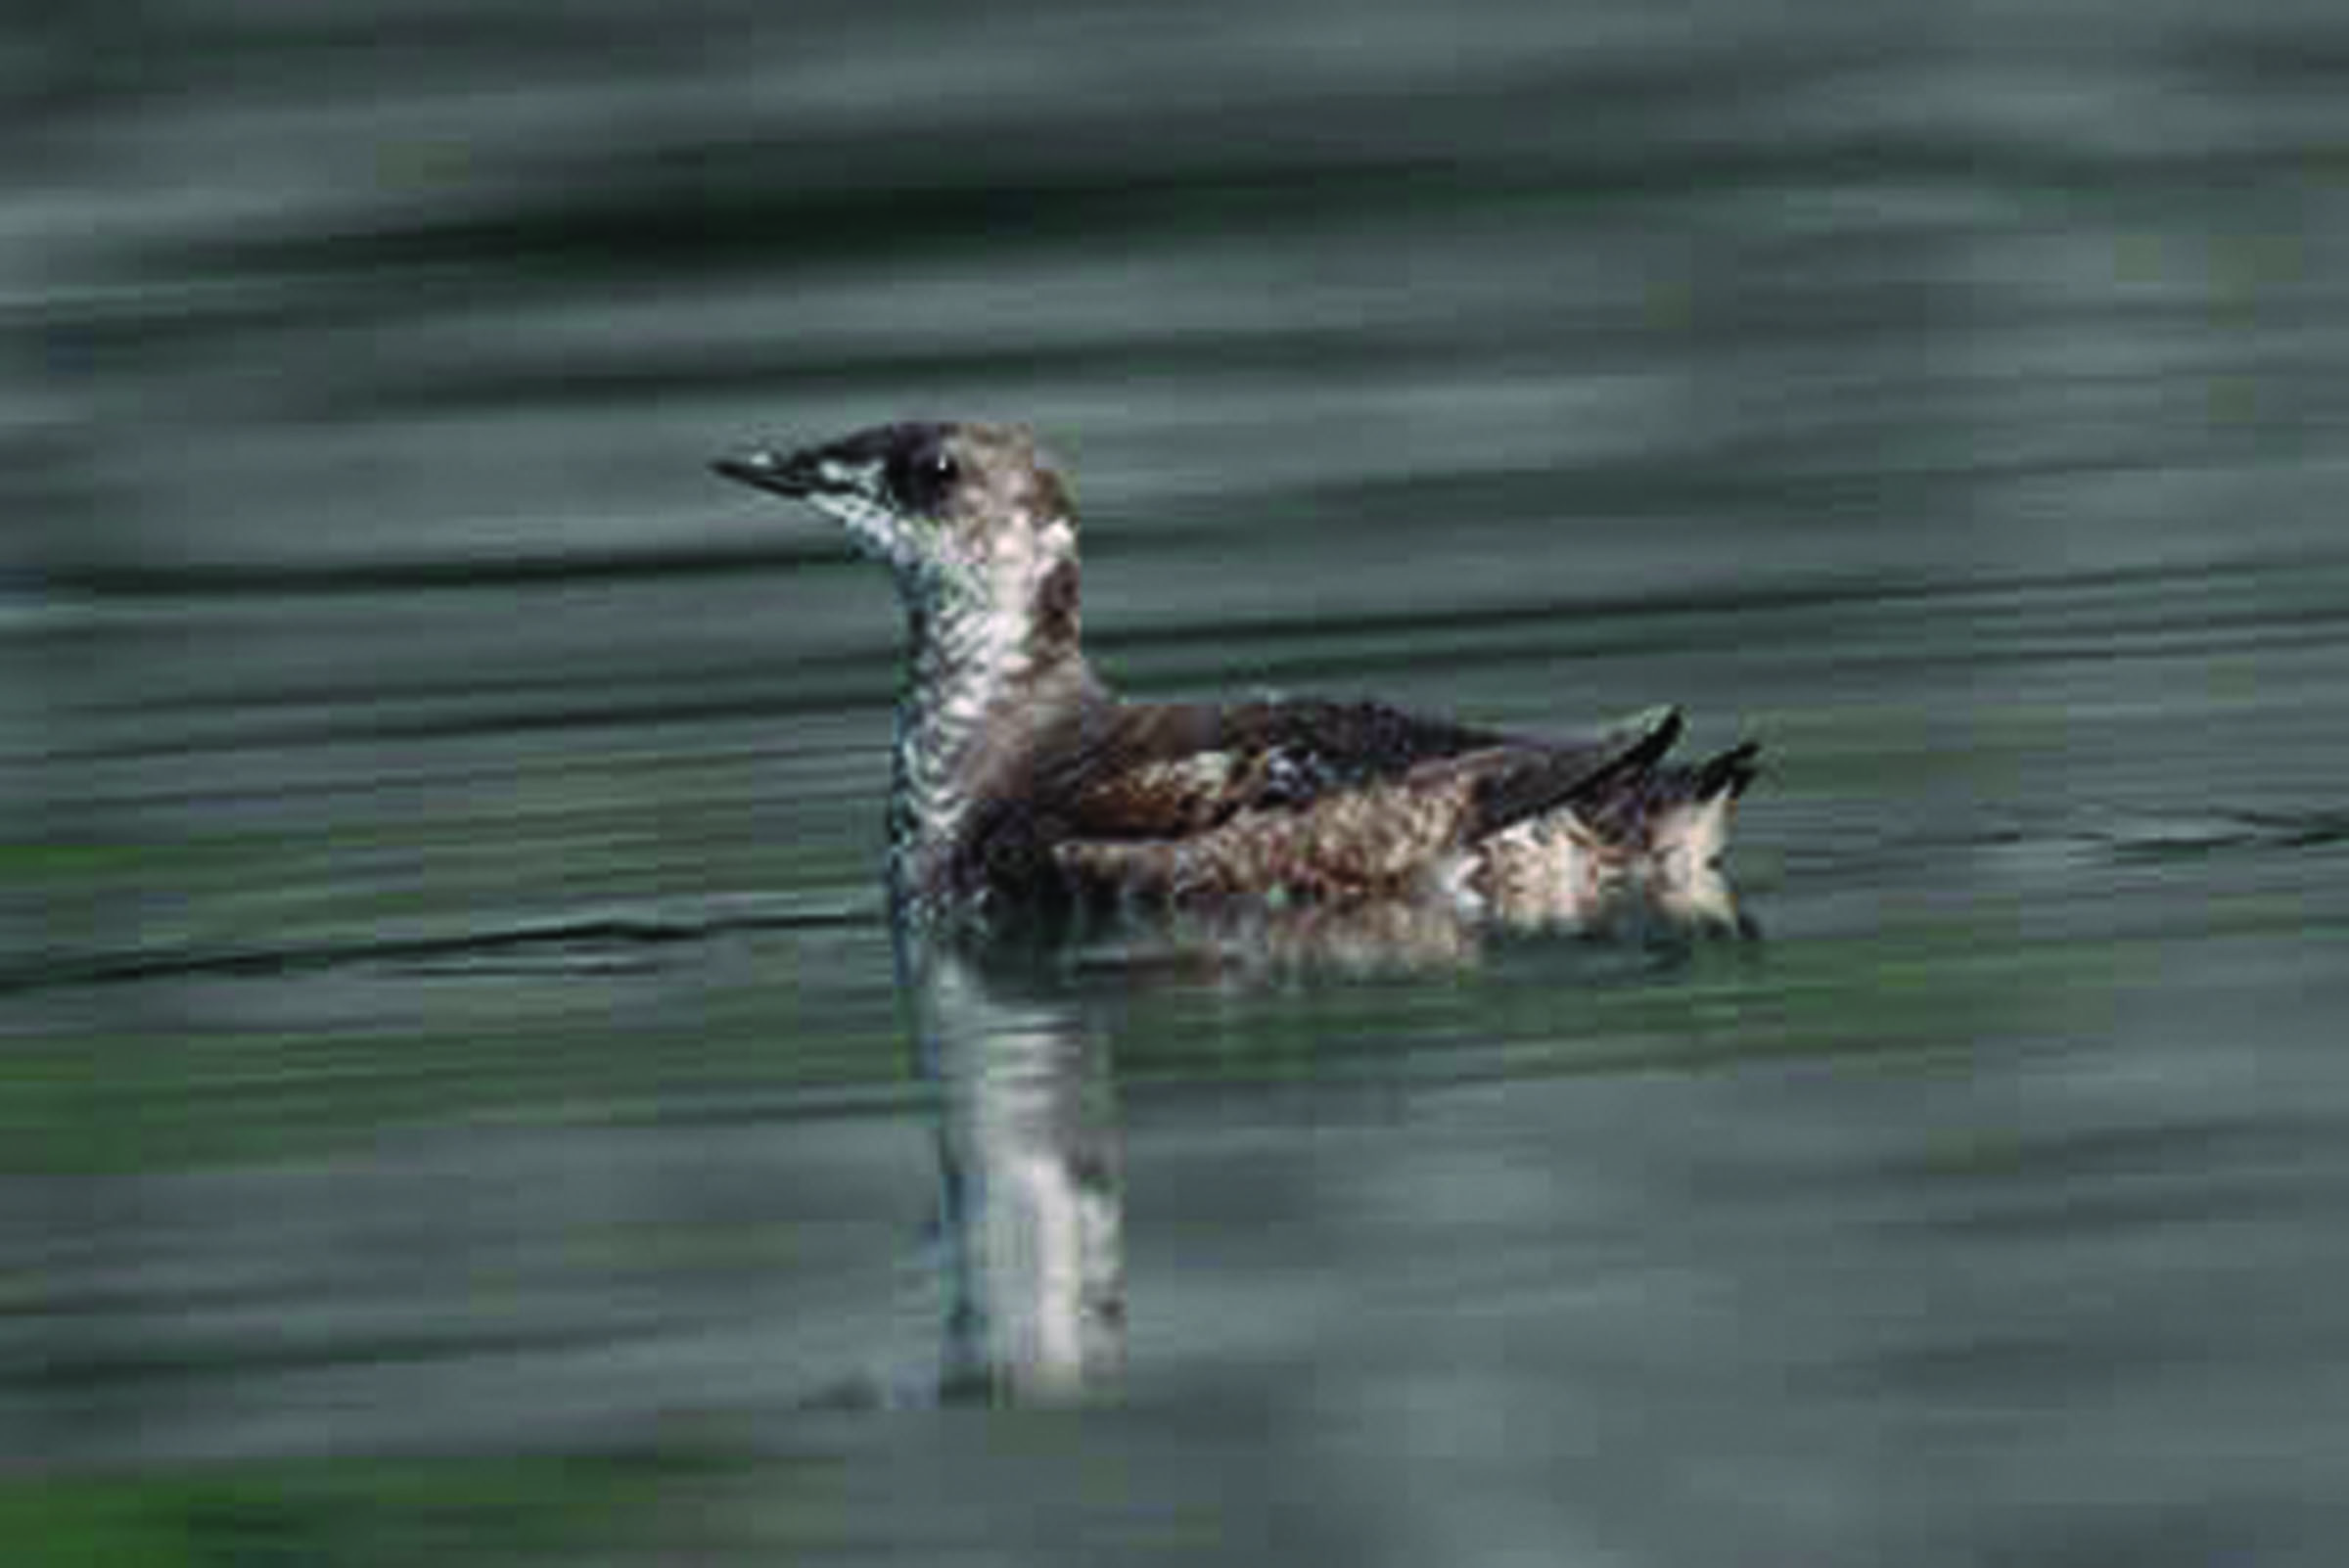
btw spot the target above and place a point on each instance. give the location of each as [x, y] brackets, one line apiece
[1021, 781]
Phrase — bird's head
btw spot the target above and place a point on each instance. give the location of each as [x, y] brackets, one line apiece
[966, 515]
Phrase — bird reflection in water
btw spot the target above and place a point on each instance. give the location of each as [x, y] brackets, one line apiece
[1030, 1243]
[1031, 1190]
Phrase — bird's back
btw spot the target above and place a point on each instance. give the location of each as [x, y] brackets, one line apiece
[1303, 798]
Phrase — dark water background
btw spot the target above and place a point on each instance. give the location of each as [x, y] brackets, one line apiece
[453, 1095]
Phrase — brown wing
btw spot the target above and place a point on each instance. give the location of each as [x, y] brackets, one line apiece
[1168, 771]
[1133, 774]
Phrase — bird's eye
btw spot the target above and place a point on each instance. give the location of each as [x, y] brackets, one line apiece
[925, 476]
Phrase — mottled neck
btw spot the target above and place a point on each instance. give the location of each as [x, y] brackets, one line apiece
[982, 676]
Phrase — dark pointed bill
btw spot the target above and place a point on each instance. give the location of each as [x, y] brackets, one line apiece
[793, 474]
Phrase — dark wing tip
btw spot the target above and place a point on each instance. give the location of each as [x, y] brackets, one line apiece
[1647, 737]
[1537, 780]
[1731, 774]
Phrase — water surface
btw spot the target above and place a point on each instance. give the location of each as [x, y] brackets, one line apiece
[457, 1090]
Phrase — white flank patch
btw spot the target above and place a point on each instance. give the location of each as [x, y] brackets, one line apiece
[1207, 770]
[1692, 837]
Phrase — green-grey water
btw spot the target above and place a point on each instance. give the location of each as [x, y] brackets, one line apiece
[457, 1100]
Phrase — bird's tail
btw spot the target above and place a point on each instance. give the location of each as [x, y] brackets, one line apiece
[1677, 814]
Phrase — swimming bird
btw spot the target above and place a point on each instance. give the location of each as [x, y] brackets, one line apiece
[1021, 782]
